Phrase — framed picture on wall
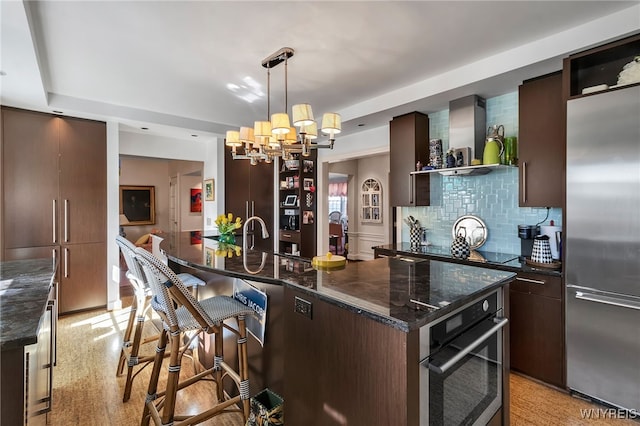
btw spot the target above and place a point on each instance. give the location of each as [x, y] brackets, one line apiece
[308, 184]
[209, 188]
[138, 204]
[196, 200]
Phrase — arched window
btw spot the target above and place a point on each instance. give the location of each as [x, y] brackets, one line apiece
[371, 201]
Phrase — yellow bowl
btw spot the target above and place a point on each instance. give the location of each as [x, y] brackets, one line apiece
[329, 261]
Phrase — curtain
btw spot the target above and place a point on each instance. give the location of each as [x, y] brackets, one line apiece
[338, 189]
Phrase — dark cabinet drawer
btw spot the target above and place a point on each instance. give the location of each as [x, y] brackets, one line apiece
[290, 236]
[544, 285]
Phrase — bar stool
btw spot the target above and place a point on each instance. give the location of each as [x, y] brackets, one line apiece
[140, 311]
[182, 313]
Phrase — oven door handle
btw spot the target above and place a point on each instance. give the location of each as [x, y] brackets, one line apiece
[500, 322]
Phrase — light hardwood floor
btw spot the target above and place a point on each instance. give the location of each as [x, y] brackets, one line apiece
[87, 391]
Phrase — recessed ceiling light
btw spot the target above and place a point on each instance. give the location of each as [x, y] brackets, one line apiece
[144, 128]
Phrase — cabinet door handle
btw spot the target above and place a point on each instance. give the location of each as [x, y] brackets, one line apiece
[66, 221]
[53, 257]
[524, 182]
[66, 262]
[528, 280]
[286, 235]
[54, 215]
[411, 179]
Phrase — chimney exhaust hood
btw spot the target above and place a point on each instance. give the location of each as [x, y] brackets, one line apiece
[467, 124]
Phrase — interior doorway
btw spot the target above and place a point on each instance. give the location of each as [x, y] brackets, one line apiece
[338, 202]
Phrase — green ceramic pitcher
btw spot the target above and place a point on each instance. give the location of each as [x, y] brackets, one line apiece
[493, 147]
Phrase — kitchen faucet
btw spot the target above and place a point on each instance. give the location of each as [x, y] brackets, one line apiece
[265, 233]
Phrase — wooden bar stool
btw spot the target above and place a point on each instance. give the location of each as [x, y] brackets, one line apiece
[181, 313]
[140, 311]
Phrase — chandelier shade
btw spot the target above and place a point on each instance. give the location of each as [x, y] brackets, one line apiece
[311, 130]
[331, 123]
[302, 115]
[246, 135]
[280, 123]
[233, 138]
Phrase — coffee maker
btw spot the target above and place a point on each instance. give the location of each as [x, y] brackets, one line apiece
[527, 233]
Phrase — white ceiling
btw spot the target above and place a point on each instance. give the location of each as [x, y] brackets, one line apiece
[168, 65]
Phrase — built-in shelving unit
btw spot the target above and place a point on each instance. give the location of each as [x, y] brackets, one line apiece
[464, 170]
[297, 205]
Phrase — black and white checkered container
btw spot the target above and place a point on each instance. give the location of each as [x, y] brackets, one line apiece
[541, 252]
[414, 237]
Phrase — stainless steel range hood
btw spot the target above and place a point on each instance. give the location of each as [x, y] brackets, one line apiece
[467, 124]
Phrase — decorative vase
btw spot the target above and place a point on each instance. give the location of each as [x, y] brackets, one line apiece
[227, 238]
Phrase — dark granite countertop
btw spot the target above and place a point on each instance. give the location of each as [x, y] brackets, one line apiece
[381, 289]
[501, 261]
[24, 291]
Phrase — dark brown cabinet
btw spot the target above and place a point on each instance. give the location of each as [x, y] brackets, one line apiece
[298, 205]
[54, 200]
[248, 191]
[536, 327]
[346, 351]
[409, 143]
[542, 142]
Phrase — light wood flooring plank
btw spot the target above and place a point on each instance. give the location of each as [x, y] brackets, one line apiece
[86, 390]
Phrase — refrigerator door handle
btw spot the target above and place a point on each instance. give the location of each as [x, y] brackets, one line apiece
[608, 300]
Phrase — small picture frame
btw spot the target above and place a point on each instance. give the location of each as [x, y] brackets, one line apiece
[196, 200]
[290, 201]
[209, 190]
[307, 166]
[209, 256]
[308, 184]
[307, 217]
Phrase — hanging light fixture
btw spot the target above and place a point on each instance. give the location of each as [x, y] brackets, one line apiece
[276, 137]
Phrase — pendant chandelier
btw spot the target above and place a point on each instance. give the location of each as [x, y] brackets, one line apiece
[275, 137]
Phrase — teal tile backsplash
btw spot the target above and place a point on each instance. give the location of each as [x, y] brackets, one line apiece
[492, 197]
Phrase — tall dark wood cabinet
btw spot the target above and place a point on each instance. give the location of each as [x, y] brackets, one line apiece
[298, 221]
[537, 327]
[55, 200]
[409, 143]
[248, 191]
[542, 142]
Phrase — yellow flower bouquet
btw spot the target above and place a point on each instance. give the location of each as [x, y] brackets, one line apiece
[226, 227]
[228, 250]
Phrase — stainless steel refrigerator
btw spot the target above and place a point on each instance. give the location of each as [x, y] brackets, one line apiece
[602, 258]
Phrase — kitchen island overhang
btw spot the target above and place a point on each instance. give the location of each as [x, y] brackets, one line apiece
[403, 292]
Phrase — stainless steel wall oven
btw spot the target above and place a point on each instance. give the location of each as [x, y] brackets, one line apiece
[461, 363]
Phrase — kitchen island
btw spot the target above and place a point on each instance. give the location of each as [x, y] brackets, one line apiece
[345, 345]
[27, 320]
